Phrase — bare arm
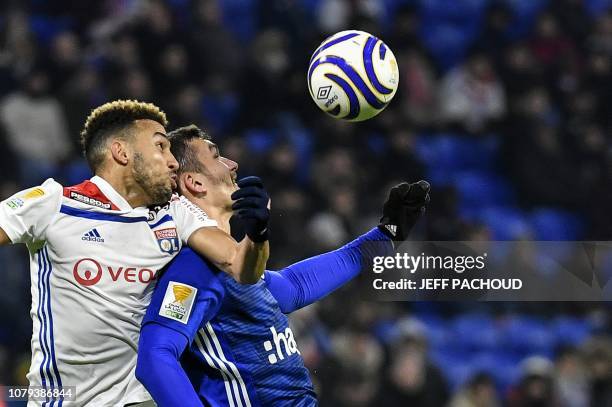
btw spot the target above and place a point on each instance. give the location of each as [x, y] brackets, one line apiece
[4, 239]
[244, 261]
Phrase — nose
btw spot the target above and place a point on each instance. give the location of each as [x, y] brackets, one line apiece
[172, 163]
[232, 165]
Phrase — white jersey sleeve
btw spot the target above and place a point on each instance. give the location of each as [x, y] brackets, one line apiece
[26, 215]
[189, 218]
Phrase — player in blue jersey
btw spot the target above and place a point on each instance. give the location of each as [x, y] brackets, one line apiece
[207, 340]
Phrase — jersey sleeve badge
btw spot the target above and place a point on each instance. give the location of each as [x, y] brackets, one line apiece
[168, 241]
[178, 301]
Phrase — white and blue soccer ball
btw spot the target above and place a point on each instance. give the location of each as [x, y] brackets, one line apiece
[352, 76]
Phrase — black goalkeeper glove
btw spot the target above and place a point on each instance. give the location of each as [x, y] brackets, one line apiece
[405, 204]
[251, 207]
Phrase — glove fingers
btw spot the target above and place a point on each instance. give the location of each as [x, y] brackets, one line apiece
[250, 181]
[419, 192]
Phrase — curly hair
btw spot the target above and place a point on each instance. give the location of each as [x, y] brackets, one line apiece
[179, 146]
[114, 118]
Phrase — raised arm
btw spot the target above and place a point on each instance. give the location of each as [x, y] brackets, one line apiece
[307, 281]
[244, 261]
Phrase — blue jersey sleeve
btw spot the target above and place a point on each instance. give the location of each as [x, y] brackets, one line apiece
[307, 281]
[188, 293]
[159, 369]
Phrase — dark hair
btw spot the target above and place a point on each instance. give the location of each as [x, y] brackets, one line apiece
[180, 140]
[111, 119]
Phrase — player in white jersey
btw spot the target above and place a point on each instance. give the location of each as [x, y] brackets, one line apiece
[95, 249]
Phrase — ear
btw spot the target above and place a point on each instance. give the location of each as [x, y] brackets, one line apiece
[119, 151]
[193, 183]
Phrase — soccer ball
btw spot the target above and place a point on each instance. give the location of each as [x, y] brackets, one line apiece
[352, 76]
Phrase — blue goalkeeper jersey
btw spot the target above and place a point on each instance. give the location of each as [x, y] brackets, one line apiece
[242, 351]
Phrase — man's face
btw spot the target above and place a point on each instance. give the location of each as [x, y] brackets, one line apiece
[220, 177]
[153, 165]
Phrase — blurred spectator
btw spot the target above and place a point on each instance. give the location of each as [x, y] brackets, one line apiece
[535, 386]
[82, 93]
[211, 44]
[479, 392]
[598, 356]
[472, 95]
[520, 70]
[412, 380]
[549, 43]
[418, 88]
[36, 128]
[573, 18]
[495, 31]
[64, 59]
[360, 359]
[600, 40]
[571, 381]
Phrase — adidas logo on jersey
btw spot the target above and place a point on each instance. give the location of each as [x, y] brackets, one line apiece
[392, 229]
[289, 345]
[93, 236]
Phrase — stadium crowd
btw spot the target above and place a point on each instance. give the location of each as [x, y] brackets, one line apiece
[503, 106]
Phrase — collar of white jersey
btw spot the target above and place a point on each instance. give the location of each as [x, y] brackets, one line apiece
[114, 196]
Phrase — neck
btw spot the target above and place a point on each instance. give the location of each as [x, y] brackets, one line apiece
[126, 187]
[221, 215]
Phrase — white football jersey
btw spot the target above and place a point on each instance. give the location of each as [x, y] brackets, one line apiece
[93, 260]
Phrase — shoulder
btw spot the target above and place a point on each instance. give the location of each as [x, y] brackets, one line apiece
[185, 206]
[89, 194]
[47, 195]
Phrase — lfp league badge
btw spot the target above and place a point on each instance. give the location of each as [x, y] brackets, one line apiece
[167, 239]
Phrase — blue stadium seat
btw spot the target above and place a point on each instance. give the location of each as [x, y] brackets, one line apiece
[452, 10]
[447, 154]
[555, 224]
[46, 28]
[570, 330]
[447, 42]
[598, 7]
[505, 223]
[528, 335]
[259, 141]
[481, 189]
[525, 13]
[501, 365]
[240, 17]
[475, 331]
[454, 365]
[219, 111]
[438, 332]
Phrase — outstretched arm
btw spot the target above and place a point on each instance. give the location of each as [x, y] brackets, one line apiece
[244, 261]
[303, 283]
